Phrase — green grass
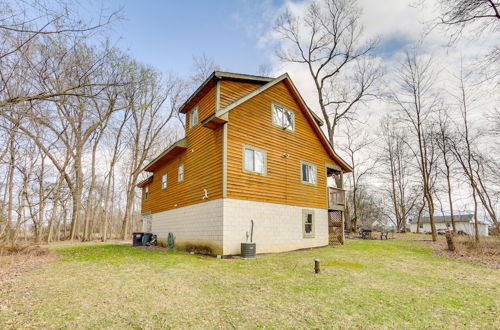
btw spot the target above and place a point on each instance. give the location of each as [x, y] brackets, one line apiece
[364, 284]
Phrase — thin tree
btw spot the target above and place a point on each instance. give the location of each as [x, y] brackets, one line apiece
[328, 40]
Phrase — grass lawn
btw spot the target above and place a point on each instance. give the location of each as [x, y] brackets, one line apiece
[364, 284]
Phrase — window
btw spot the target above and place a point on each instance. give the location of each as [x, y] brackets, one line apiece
[193, 117]
[180, 177]
[448, 225]
[164, 178]
[308, 223]
[283, 117]
[254, 160]
[308, 173]
[146, 192]
[421, 226]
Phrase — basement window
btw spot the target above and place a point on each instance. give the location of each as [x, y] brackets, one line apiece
[254, 160]
[146, 192]
[193, 117]
[308, 223]
[308, 175]
[283, 117]
[180, 177]
[164, 179]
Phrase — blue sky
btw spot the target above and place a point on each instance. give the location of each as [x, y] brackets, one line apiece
[167, 34]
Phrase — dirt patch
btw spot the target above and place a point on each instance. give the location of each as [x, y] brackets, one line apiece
[486, 252]
[15, 260]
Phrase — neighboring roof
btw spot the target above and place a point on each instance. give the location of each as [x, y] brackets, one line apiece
[447, 218]
[171, 152]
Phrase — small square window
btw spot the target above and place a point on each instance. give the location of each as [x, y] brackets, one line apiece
[254, 160]
[193, 117]
[308, 173]
[146, 192]
[283, 117]
[164, 179]
[308, 223]
[180, 177]
[421, 226]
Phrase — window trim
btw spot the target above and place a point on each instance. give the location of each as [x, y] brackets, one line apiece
[313, 229]
[191, 125]
[164, 175]
[179, 180]
[146, 192]
[273, 105]
[302, 162]
[244, 170]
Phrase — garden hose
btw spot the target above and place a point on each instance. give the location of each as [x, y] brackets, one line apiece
[170, 240]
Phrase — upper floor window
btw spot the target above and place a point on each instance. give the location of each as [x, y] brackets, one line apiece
[180, 177]
[283, 117]
[193, 117]
[308, 173]
[254, 160]
[146, 192]
[164, 178]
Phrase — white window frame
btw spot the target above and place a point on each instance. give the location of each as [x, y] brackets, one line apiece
[253, 170]
[313, 182]
[279, 121]
[180, 173]
[146, 192]
[164, 181]
[193, 117]
[306, 215]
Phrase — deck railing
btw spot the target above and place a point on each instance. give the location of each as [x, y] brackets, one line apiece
[336, 197]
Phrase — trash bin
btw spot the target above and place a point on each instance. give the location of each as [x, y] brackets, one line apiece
[147, 238]
[137, 238]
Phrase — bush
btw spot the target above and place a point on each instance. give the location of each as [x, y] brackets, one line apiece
[199, 247]
[31, 250]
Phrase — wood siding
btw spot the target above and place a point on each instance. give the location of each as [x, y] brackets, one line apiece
[202, 166]
[231, 91]
[251, 124]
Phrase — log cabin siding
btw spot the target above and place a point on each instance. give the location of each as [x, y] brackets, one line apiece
[251, 124]
[202, 166]
[231, 91]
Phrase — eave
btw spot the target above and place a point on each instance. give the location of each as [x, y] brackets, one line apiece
[145, 182]
[173, 151]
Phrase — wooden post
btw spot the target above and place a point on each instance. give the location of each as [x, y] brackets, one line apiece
[316, 266]
[449, 241]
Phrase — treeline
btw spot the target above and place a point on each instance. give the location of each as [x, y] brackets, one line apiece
[434, 138]
[78, 121]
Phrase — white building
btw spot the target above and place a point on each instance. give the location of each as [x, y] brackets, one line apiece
[463, 223]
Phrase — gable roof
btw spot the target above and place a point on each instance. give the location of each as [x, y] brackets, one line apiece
[447, 218]
[211, 81]
[309, 114]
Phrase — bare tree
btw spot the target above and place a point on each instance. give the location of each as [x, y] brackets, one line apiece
[328, 40]
[396, 159]
[417, 102]
[442, 141]
[355, 147]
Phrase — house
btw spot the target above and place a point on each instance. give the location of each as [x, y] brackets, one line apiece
[252, 150]
[463, 222]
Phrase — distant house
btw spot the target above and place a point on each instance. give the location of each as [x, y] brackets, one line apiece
[463, 222]
[253, 151]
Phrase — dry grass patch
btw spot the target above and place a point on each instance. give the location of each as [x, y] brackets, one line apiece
[363, 284]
